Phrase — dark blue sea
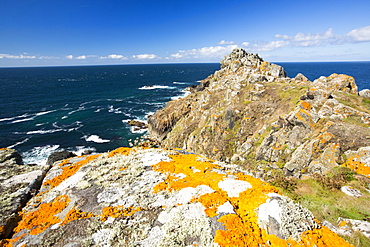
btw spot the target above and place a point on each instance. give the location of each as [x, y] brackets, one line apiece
[48, 109]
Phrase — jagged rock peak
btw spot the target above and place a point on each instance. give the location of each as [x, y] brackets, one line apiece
[251, 64]
[239, 55]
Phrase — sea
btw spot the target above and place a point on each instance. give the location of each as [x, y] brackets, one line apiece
[79, 108]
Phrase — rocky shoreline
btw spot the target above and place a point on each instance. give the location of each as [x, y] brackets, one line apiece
[243, 126]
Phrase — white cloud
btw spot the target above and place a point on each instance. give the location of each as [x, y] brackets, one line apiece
[69, 57]
[48, 57]
[145, 56]
[269, 46]
[359, 35]
[205, 52]
[224, 42]
[114, 56]
[309, 39]
[16, 56]
[245, 44]
[81, 57]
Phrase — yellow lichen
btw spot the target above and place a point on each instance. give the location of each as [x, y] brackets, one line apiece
[354, 164]
[75, 214]
[68, 171]
[44, 217]
[121, 150]
[242, 228]
[118, 211]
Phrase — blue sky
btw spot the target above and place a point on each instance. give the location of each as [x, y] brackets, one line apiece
[65, 32]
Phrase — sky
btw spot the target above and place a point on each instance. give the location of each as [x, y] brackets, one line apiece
[104, 32]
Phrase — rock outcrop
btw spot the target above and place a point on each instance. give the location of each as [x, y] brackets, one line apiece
[18, 183]
[251, 114]
[154, 197]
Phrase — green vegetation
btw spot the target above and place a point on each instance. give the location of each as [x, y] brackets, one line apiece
[352, 100]
[292, 93]
[355, 120]
[366, 103]
[322, 196]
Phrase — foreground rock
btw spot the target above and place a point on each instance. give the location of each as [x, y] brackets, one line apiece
[153, 197]
[18, 182]
[251, 114]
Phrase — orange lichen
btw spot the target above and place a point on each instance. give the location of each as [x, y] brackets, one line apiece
[9, 242]
[354, 164]
[211, 201]
[118, 211]
[121, 150]
[306, 105]
[68, 171]
[186, 164]
[75, 214]
[342, 223]
[242, 228]
[41, 219]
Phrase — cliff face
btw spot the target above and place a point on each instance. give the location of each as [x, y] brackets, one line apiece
[251, 114]
[153, 197]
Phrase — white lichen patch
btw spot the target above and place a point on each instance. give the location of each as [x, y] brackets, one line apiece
[270, 209]
[111, 194]
[234, 187]
[226, 208]
[181, 222]
[102, 238]
[152, 158]
[71, 181]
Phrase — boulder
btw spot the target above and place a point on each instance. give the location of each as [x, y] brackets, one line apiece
[365, 93]
[154, 197]
[56, 156]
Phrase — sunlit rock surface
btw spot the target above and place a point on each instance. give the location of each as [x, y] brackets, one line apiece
[154, 197]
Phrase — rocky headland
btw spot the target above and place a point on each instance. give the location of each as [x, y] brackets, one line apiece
[232, 153]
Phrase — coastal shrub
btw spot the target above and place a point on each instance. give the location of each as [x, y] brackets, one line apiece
[286, 183]
[336, 178]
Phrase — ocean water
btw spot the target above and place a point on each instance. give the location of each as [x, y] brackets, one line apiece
[43, 110]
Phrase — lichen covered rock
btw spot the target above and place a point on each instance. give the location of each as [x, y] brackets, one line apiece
[18, 182]
[251, 114]
[154, 197]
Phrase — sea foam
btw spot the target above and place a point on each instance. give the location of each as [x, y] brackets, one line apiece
[95, 138]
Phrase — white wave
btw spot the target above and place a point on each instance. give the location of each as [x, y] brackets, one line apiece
[135, 130]
[44, 112]
[177, 82]
[7, 119]
[43, 131]
[117, 111]
[95, 138]
[81, 108]
[185, 93]
[25, 117]
[155, 87]
[64, 117]
[12, 118]
[39, 155]
[18, 143]
[80, 150]
[23, 120]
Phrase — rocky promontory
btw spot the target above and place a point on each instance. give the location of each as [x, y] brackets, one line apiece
[250, 111]
[241, 159]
